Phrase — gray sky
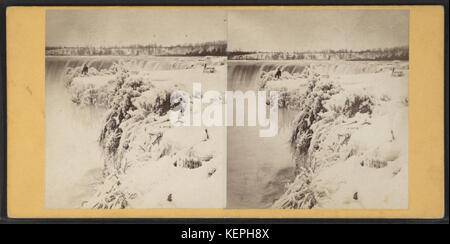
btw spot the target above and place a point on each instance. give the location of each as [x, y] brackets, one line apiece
[248, 30]
[125, 27]
[301, 30]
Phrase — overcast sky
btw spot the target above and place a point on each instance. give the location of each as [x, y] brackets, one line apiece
[125, 27]
[247, 30]
[301, 30]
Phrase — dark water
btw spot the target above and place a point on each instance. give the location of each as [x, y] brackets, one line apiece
[258, 167]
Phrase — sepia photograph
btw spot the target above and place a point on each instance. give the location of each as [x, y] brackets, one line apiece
[110, 77]
[212, 114]
[342, 83]
[236, 109]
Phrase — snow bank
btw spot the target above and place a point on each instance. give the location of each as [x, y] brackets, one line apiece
[148, 163]
[290, 87]
[350, 145]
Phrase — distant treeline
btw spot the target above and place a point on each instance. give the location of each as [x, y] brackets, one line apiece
[395, 53]
[215, 48]
[219, 48]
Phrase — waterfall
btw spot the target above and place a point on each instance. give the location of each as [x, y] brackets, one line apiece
[56, 66]
[243, 75]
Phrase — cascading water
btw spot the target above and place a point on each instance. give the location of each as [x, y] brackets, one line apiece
[58, 63]
[258, 168]
[67, 124]
[244, 74]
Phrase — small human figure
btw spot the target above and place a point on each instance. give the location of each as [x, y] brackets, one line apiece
[278, 74]
[206, 135]
[85, 70]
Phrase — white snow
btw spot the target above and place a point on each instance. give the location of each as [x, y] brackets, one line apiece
[155, 165]
[355, 161]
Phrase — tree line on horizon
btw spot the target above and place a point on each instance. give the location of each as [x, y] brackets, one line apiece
[219, 48]
[394, 53]
[213, 48]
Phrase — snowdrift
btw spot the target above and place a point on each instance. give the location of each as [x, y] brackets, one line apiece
[350, 143]
[148, 163]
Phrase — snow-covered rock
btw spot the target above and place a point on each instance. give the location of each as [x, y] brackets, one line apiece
[350, 144]
[146, 158]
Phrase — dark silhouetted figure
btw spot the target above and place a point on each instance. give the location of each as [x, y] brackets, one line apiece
[206, 135]
[85, 70]
[278, 74]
